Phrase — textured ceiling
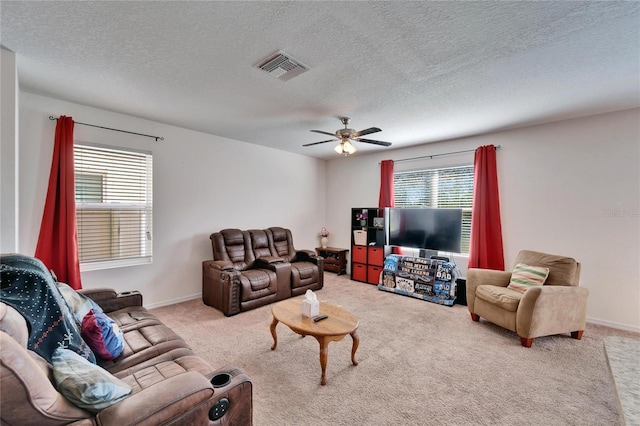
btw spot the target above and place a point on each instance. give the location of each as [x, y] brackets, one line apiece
[421, 71]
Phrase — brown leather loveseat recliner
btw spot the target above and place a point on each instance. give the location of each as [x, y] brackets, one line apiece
[257, 267]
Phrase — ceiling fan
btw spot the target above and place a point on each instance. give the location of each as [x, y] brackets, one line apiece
[346, 135]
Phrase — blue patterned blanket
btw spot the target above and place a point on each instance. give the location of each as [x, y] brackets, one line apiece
[29, 287]
[427, 279]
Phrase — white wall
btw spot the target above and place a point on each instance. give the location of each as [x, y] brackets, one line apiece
[202, 183]
[569, 188]
[8, 152]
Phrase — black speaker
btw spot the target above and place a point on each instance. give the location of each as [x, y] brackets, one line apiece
[427, 254]
[461, 291]
[443, 258]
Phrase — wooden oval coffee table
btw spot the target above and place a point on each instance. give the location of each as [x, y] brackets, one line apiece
[339, 323]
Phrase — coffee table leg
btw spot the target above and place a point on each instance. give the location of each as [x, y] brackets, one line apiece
[324, 354]
[354, 348]
[273, 333]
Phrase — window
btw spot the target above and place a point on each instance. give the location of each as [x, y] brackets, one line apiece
[445, 188]
[113, 206]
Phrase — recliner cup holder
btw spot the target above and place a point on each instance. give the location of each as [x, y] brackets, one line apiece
[220, 380]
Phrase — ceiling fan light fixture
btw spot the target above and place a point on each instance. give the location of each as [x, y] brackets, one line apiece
[346, 135]
[345, 147]
[349, 147]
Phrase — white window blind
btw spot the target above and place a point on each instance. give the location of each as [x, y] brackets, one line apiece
[444, 188]
[113, 206]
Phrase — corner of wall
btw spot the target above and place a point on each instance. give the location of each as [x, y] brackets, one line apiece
[8, 152]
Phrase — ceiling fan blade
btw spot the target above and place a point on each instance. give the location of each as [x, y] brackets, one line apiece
[324, 133]
[365, 132]
[316, 143]
[374, 142]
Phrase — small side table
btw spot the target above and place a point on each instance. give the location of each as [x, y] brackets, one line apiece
[335, 259]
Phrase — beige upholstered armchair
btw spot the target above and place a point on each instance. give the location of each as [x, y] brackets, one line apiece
[558, 306]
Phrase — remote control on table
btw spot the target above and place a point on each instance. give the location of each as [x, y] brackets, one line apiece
[319, 318]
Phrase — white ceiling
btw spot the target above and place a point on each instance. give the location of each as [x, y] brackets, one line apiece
[421, 71]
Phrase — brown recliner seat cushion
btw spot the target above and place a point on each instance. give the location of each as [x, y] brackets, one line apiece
[303, 272]
[503, 297]
[142, 343]
[236, 246]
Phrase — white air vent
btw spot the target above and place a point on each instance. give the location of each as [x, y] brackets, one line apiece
[282, 66]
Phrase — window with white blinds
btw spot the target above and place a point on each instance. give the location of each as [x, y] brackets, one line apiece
[113, 206]
[444, 188]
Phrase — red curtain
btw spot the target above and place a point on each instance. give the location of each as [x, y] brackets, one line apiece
[386, 184]
[58, 241]
[486, 249]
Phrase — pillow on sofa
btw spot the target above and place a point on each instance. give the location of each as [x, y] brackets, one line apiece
[86, 385]
[102, 334]
[78, 302]
[525, 276]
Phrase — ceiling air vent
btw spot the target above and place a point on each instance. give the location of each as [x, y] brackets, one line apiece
[282, 66]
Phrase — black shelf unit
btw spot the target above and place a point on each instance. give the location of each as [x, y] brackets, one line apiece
[375, 235]
[367, 256]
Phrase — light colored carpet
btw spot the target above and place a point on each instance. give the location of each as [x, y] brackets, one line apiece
[419, 364]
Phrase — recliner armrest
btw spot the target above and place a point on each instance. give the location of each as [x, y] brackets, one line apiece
[98, 294]
[282, 270]
[534, 294]
[306, 253]
[307, 256]
[477, 276]
[222, 265]
[161, 402]
[551, 309]
[221, 286]
[111, 301]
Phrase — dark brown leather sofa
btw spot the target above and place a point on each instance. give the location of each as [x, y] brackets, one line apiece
[257, 267]
[171, 384]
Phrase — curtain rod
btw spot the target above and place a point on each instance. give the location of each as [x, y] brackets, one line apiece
[497, 147]
[51, 117]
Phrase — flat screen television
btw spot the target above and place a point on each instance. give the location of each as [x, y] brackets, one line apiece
[425, 228]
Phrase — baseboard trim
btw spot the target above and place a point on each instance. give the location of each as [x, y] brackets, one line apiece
[613, 324]
[172, 301]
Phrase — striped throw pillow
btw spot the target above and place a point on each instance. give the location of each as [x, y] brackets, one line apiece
[525, 276]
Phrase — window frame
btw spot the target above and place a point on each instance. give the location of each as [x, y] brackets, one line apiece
[467, 206]
[117, 209]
